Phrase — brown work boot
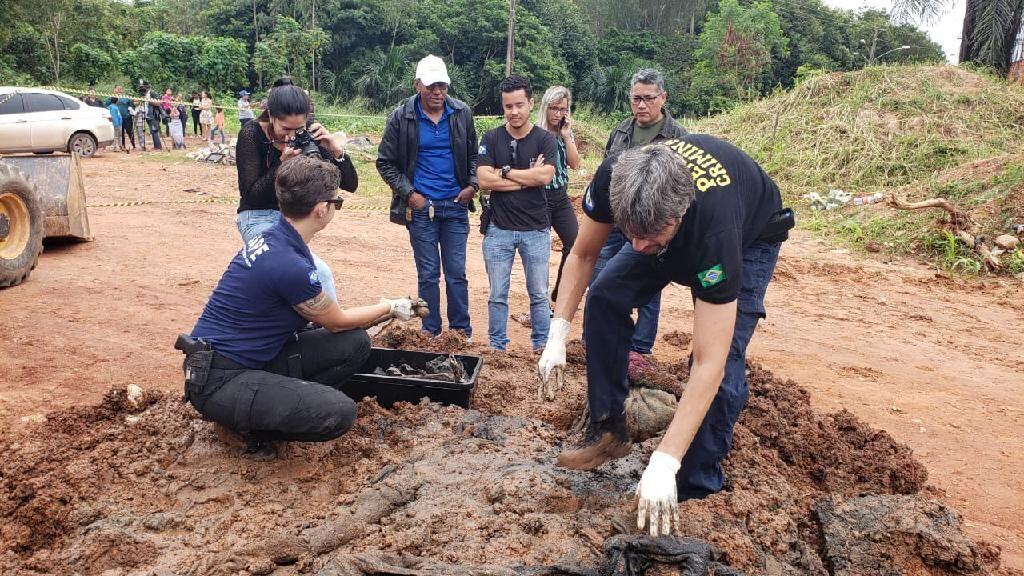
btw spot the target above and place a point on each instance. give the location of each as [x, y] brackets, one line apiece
[605, 440]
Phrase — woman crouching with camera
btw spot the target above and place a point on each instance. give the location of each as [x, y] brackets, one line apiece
[282, 132]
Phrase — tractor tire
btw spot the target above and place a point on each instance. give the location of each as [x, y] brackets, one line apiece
[21, 226]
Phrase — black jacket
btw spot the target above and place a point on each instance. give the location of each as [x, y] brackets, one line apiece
[622, 137]
[396, 155]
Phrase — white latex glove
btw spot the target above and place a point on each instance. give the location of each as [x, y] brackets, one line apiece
[551, 367]
[658, 508]
[400, 308]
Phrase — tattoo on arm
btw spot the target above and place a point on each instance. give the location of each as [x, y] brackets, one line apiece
[315, 306]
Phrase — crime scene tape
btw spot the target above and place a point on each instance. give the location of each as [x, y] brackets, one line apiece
[255, 105]
[223, 200]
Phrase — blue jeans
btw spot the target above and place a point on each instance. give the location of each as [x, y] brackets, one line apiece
[647, 314]
[440, 242]
[215, 129]
[534, 248]
[252, 223]
[629, 280]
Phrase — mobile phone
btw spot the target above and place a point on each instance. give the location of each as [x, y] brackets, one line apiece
[561, 123]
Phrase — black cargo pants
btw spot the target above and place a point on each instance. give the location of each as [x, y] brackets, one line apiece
[296, 395]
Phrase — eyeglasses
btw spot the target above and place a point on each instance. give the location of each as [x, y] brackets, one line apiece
[645, 99]
[337, 202]
[559, 110]
[437, 87]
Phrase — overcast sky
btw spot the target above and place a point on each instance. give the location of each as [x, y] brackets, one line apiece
[946, 31]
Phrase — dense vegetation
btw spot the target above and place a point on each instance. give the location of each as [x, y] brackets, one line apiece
[715, 53]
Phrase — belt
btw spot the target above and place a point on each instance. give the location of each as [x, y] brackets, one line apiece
[221, 362]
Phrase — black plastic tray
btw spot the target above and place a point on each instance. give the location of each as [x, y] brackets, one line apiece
[391, 389]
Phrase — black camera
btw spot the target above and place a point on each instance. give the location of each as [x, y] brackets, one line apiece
[304, 142]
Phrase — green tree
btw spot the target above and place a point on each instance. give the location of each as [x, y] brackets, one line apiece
[162, 59]
[819, 38]
[990, 27]
[170, 60]
[736, 47]
[26, 54]
[90, 64]
[268, 62]
[575, 43]
[219, 63]
[384, 76]
[876, 40]
[296, 45]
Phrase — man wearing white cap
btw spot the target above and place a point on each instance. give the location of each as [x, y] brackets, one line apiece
[428, 157]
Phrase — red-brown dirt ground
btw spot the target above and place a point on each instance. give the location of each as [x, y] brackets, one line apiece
[868, 345]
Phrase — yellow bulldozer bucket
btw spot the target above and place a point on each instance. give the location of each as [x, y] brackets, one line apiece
[60, 190]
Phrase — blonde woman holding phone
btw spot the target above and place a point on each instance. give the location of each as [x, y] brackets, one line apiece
[555, 117]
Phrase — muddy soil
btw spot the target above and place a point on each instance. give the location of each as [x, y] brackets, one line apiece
[146, 487]
[929, 358]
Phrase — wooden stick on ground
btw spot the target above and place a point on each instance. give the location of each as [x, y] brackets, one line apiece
[960, 224]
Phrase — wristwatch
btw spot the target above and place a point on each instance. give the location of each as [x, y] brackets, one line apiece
[504, 171]
[474, 186]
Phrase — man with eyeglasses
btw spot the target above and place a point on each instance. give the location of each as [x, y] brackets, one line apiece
[251, 364]
[428, 157]
[516, 163]
[651, 122]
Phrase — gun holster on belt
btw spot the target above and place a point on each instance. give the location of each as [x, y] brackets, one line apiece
[198, 360]
[778, 227]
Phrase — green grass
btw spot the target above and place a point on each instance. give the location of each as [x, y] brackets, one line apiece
[912, 130]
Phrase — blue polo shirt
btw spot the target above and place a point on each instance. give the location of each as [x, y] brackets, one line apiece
[249, 317]
[435, 164]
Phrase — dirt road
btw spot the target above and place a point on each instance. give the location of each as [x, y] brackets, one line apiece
[935, 362]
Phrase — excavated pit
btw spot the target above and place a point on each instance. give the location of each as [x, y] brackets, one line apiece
[147, 487]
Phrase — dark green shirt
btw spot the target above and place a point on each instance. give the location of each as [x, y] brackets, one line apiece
[644, 134]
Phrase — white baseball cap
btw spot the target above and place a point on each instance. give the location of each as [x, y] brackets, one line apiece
[432, 70]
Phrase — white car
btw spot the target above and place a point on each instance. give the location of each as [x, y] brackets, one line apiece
[44, 121]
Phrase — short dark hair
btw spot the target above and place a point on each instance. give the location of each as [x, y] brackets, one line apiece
[113, 99]
[514, 82]
[302, 183]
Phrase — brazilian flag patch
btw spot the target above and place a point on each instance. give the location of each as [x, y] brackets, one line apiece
[711, 276]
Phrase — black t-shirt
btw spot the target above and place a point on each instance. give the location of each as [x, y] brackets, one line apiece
[734, 201]
[521, 210]
[257, 161]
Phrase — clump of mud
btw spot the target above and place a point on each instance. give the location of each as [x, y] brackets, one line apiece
[677, 339]
[148, 486]
[576, 353]
[401, 338]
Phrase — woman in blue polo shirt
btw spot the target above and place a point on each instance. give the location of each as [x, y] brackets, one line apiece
[269, 377]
